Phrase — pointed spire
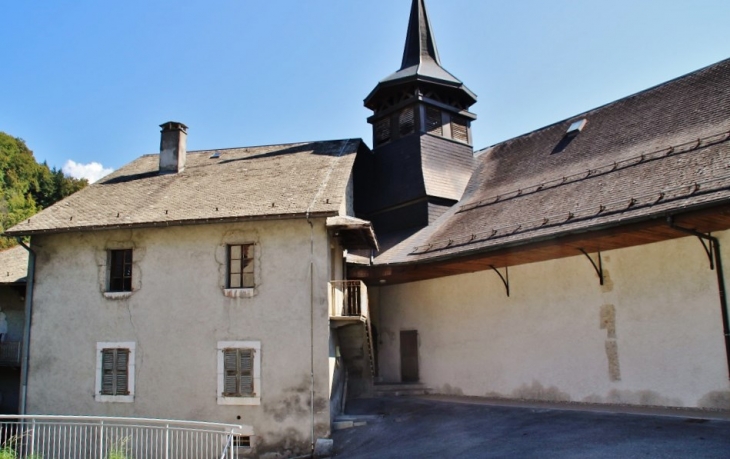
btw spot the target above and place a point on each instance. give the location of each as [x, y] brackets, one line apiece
[420, 42]
[421, 61]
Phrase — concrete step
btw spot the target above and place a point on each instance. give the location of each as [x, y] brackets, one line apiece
[348, 421]
[398, 390]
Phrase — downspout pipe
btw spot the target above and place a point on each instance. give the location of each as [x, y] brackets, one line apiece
[311, 329]
[25, 356]
[715, 247]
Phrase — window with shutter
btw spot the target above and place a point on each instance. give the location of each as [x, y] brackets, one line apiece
[241, 266]
[433, 121]
[115, 372]
[239, 371]
[460, 129]
[406, 121]
[238, 377]
[120, 270]
[115, 369]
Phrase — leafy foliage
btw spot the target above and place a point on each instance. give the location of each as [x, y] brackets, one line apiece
[26, 187]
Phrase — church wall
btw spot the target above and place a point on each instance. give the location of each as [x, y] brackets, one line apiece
[652, 335]
[176, 318]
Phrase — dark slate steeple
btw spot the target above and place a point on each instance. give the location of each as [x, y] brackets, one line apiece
[421, 61]
[422, 156]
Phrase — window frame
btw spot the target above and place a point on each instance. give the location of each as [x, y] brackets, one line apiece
[242, 273]
[101, 347]
[127, 264]
[244, 399]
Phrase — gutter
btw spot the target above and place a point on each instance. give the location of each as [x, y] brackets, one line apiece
[716, 256]
[29, 287]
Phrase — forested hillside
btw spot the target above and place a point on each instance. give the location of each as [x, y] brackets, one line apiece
[26, 186]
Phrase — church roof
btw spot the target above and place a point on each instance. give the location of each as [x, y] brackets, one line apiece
[659, 152]
[265, 182]
[421, 61]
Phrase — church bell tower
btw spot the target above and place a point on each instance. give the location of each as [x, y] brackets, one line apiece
[422, 146]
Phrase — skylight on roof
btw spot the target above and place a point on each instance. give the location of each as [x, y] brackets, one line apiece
[577, 126]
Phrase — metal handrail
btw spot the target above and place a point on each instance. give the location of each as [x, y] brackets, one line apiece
[101, 437]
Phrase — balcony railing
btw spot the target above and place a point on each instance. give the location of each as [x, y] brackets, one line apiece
[82, 437]
[10, 353]
[348, 299]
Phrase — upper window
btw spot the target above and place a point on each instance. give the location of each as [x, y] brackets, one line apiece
[115, 372]
[239, 373]
[120, 270]
[241, 266]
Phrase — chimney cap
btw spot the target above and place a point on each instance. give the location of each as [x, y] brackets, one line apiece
[173, 126]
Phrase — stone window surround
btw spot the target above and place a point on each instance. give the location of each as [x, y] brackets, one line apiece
[238, 237]
[103, 260]
[249, 401]
[130, 372]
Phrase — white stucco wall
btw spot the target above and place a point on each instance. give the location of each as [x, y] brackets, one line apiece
[554, 338]
[177, 316]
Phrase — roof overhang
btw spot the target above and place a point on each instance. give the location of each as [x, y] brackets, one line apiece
[618, 236]
[354, 233]
[18, 231]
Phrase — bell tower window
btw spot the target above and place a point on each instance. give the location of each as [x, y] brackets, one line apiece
[460, 129]
[382, 131]
[406, 121]
[433, 121]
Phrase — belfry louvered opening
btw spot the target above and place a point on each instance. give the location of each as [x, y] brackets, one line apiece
[382, 131]
[238, 368]
[406, 121]
[460, 129]
[433, 121]
[115, 372]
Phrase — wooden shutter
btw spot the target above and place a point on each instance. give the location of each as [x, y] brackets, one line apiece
[115, 372]
[230, 372]
[107, 372]
[238, 372]
[433, 121]
[122, 369]
[246, 360]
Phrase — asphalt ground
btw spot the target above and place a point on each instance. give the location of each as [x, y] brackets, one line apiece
[436, 428]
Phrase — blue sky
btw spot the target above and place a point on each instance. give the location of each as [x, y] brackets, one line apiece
[90, 81]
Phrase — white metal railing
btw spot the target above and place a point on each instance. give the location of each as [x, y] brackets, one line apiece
[348, 299]
[10, 353]
[83, 437]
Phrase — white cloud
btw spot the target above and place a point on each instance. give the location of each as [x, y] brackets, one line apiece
[91, 172]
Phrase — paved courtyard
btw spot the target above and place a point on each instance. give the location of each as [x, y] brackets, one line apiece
[433, 428]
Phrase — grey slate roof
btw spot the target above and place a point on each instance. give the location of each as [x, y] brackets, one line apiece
[660, 151]
[13, 265]
[276, 181]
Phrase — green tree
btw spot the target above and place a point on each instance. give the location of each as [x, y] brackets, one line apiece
[26, 187]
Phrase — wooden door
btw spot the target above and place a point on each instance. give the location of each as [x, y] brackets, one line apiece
[409, 356]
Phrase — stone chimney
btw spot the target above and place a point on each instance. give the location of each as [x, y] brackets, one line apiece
[173, 147]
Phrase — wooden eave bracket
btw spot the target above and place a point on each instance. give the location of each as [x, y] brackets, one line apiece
[598, 267]
[505, 278]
